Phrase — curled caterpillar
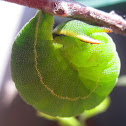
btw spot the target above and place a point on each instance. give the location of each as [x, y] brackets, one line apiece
[63, 75]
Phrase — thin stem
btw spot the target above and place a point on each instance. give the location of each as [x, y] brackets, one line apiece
[72, 121]
[69, 121]
[67, 8]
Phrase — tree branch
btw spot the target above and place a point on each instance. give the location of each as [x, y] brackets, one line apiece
[67, 8]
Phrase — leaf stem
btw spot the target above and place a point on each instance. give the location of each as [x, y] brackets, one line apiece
[72, 121]
[68, 121]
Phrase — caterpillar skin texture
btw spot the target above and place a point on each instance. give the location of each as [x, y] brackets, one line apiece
[65, 76]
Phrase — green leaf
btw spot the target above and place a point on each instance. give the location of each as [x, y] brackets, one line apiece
[65, 76]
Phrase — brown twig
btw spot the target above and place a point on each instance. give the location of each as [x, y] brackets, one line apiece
[67, 8]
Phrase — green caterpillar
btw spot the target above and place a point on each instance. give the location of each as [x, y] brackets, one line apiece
[65, 74]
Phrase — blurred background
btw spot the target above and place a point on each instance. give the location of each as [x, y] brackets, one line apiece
[13, 110]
